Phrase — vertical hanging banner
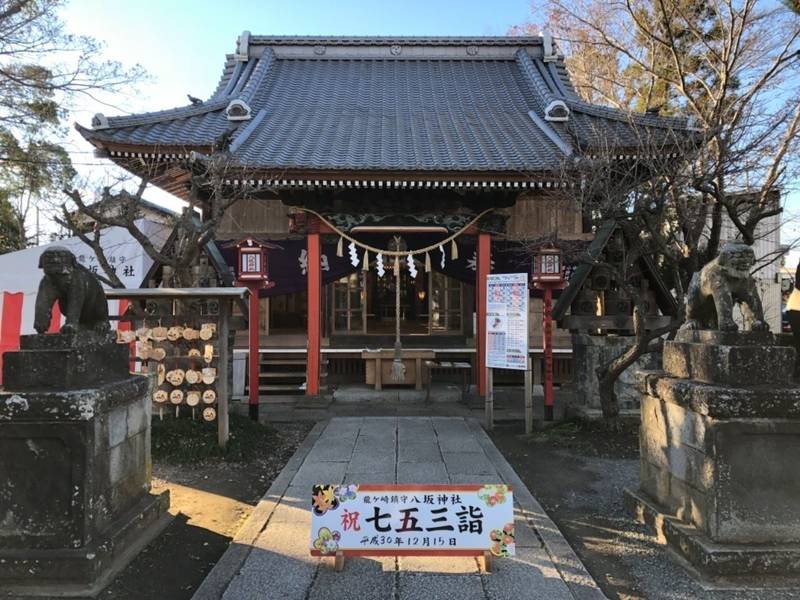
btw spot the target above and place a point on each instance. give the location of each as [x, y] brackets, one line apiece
[411, 520]
[507, 321]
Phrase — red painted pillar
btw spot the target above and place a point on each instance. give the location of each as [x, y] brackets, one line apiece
[314, 314]
[254, 375]
[547, 346]
[125, 326]
[484, 261]
[10, 324]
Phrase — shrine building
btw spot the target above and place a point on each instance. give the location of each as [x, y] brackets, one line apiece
[356, 156]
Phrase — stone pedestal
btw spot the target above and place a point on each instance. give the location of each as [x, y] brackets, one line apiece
[720, 437]
[593, 351]
[75, 505]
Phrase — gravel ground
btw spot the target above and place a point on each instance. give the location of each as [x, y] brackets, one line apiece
[579, 477]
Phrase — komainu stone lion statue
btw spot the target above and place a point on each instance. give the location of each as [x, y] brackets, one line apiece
[79, 293]
[721, 284]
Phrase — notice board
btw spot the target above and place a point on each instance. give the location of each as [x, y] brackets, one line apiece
[507, 321]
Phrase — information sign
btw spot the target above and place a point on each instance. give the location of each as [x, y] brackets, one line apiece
[507, 321]
[409, 520]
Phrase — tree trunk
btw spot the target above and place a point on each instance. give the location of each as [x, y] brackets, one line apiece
[608, 374]
[608, 397]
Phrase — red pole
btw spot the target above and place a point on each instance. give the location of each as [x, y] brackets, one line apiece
[314, 308]
[10, 324]
[254, 361]
[547, 346]
[484, 261]
[123, 326]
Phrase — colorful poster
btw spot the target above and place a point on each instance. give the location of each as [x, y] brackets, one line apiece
[507, 321]
[408, 520]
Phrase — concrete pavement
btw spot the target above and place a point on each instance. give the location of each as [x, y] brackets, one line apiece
[269, 558]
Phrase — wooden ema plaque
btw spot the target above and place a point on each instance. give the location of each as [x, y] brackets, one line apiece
[412, 520]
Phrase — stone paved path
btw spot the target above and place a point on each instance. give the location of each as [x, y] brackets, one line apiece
[269, 558]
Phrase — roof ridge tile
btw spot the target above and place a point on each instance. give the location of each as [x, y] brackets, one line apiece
[170, 114]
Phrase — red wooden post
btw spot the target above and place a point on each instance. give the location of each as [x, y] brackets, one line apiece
[314, 310]
[254, 273]
[254, 358]
[126, 326]
[484, 261]
[10, 324]
[547, 346]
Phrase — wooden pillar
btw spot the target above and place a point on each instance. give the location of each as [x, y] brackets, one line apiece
[547, 346]
[223, 388]
[314, 314]
[254, 358]
[484, 261]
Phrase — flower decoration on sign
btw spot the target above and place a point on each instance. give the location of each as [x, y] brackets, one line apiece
[327, 541]
[493, 494]
[503, 540]
[323, 499]
[343, 493]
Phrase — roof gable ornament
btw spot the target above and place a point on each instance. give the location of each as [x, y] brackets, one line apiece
[243, 47]
[556, 111]
[238, 110]
[549, 47]
[99, 121]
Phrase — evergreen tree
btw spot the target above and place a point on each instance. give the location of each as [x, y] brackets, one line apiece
[11, 235]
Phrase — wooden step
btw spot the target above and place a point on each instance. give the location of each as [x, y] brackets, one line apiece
[283, 361]
[282, 374]
[281, 388]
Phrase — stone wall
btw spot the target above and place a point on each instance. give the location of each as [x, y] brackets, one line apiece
[129, 466]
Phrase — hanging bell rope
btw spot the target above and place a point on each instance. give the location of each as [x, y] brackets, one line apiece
[398, 372]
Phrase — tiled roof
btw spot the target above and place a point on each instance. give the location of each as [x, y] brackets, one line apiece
[385, 104]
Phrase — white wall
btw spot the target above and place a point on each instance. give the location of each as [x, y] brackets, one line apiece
[19, 271]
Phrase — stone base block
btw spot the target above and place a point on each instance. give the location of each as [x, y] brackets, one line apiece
[736, 564]
[64, 362]
[734, 478]
[81, 572]
[729, 358]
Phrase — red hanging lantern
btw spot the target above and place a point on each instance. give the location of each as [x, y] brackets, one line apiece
[548, 266]
[252, 263]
